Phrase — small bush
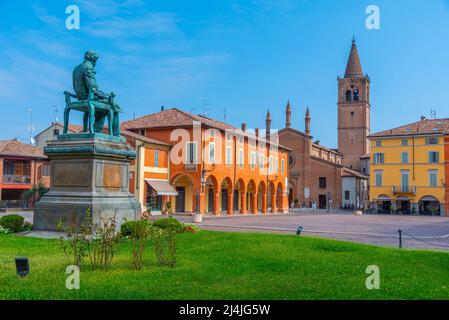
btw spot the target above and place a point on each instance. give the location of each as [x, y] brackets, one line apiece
[27, 226]
[4, 230]
[141, 231]
[13, 222]
[170, 224]
[189, 228]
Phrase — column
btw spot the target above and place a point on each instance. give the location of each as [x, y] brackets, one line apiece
[230, 202]
[273, 202]
[202, 203]
[242, 202]
[253, 203]
[216, 207]
[264, 202]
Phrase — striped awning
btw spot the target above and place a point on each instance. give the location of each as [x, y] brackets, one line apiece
[162, 187]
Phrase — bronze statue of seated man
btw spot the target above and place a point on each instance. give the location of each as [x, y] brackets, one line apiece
[87, 90]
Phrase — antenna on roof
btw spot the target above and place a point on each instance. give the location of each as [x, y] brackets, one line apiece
[56, 113]
[433, 114]
[31, 126]
[224, 115]
[203, 105]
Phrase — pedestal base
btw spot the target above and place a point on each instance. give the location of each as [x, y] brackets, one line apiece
[88, 171]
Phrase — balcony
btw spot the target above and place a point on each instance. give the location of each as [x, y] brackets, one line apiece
[190, 166]
[404, 190]
[15, 179]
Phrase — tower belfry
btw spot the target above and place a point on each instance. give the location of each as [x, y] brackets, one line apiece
[353, 111]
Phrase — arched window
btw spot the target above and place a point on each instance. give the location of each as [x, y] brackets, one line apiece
[356, 94]
[348, 95]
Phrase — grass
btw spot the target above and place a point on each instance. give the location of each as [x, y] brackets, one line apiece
[220, 265]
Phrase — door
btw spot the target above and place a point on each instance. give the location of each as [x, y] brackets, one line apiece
[210, 200]
[181, 199]
[224, 199]
[322, 201]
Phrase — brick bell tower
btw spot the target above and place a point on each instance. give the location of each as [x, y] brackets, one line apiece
[353, 112]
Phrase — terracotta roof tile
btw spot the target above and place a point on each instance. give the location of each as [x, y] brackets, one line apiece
[142, 138]
[425, 126]
[17, 148]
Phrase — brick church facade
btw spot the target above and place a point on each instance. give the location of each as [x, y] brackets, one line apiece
[316, 171]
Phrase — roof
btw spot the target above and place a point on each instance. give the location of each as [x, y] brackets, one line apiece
[422, 127]
[72, 127]
[354, 67]
[16, 148]
[347, 172]
[142, 138]
[316, 145]
[173, 118]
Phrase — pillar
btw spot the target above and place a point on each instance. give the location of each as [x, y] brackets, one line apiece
[273, 202]
[216, 207]
[253, 203]
[242, 202]
[264, 202]
[230, 202]
[202, 203]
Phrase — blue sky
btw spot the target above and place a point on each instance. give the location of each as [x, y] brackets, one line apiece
[241, 56]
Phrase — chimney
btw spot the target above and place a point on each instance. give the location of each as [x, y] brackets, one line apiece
[257, 132]
[288, 115]
[162, 108]
[243, 126]
[307, 121]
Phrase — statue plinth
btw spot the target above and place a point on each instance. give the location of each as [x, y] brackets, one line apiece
[88, 171]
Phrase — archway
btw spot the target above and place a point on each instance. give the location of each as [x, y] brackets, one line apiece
[240, 197]
[212, 195]
[226, 196]
[183, 202]
[383, 203]
[429, 205]
[403, 205]
[251, 196]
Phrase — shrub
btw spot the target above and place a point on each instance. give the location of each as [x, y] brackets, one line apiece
[189, 228]
[127, 228]
[140, 232]
[4, 230]
[13, 222]
[27, 226]
[164, 241]
[169, 224]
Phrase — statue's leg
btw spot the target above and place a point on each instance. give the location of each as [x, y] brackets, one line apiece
[66, 120]
[110, 120]
[99, 123]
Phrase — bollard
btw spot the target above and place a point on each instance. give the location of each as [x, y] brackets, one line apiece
[400, 238]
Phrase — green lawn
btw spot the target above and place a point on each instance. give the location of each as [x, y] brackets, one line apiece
[219, 265]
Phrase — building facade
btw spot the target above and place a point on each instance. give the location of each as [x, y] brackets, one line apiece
[409, 168]
[51, 133]
[315, 171]
[22, 166]
[216, 168]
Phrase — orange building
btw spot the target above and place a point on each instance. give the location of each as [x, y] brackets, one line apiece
[21, 167]
[214, 167]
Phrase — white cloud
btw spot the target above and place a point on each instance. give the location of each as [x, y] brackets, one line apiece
[42, 14]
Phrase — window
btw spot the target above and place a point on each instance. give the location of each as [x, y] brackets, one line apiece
[211, 152]
[46, 170]
[348, 95]
[56, 132]
[253, 160]
[228, 137]
[270, 164]
[378, 175]
[433, 178]
[404, 181]
[241, 158]
[261, 161]
[276, 165]
[322, 182]
[404, 142]
[378, 143]
[347, 195]
[211, 133]
[433, 157]
[432, 140]
[404, 157]
[228, 156]
[282, 166]
[356, 95]
[378, 158]
[191, 153]
[156, 158]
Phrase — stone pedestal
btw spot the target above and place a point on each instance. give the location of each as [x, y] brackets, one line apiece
[88, 171]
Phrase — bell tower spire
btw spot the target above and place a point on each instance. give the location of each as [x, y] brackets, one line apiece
[288, 115]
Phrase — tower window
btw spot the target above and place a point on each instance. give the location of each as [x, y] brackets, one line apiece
[348, 95]
[352, 113]
[356, 95]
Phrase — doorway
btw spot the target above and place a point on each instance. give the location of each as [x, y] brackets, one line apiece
[322, 201]
[181, 199]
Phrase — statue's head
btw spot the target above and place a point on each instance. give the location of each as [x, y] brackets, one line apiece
[91, 56]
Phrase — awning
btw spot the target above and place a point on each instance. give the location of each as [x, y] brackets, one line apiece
[162, 187]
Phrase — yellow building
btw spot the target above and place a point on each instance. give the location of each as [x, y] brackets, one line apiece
[407, 168]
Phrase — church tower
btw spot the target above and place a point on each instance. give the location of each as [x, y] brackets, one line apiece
[353, 112]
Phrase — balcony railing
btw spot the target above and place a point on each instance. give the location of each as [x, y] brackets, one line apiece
[190, 166]
[14, 179]
[404, 189]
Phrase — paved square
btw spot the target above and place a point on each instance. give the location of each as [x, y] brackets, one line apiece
[430, 232]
